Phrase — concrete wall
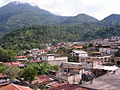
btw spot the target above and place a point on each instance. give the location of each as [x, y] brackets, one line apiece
[58, 61]
[75, 79]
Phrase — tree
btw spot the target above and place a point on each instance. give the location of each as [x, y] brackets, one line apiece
[73, 59]
[7, 55]
[12, 72]
[117, 54]
[90, 44]
[42, 68]
[43, 87]
[29, 74]
[3, 68]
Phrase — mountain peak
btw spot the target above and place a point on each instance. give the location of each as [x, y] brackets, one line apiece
[22, 3]
[114, 14]
[82, 14]
[19, 2]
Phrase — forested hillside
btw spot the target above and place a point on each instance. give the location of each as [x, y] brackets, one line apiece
[15, 15]
[34, 36]
[106, 32]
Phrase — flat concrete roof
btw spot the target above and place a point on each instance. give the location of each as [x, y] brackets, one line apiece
[108, 81]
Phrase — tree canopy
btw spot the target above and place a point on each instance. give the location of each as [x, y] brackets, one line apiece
[7, 55]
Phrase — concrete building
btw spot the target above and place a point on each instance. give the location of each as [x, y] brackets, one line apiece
[108, 51]
[69, 72]
[80, 54]
[99, 60]
[4, 79]
[54, 59]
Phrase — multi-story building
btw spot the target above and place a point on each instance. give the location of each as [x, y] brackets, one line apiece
[54, 59]
[80, 54]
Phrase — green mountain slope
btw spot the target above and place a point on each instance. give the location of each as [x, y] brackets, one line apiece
[111, 20]
[16, 15]
[34, 36]
[103, 33]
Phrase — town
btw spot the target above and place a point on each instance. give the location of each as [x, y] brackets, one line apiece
[88, 65]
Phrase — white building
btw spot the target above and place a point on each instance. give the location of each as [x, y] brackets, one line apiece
[80, 54]
[108, 50]
[53, 59]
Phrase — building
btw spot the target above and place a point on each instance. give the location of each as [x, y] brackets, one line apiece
[54, 59]
[108, 51]
[21, 58]
[35, 53]
[80, 54]
[98, 60]
[117, 60]
[69, 72]
[4, 79]
[42, 80]
[14, 87]
[16, 64]
[77, 47]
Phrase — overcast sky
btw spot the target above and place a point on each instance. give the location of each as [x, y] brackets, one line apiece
[96, 8]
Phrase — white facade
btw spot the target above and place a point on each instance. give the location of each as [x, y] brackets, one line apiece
[54, 60]
[107, 50]
[79, 53]
[48, 57]
[117, 42]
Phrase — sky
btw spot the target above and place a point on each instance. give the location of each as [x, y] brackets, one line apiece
[96, 8]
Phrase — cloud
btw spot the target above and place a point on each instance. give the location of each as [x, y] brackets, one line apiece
[1, 2]
[96, 8]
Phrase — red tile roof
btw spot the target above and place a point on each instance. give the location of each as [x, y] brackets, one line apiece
[3, 75]
[78, 47]
[117, 58]
[44, 78]
[35, 61]
[55, 84]
[14, 87]
[21, 56]
[13, 63]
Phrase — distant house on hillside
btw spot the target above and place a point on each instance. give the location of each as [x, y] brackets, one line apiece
[4, 79]
[80, 54]
[16, 64]
[107, 51]
[78, 47]
[21, 58]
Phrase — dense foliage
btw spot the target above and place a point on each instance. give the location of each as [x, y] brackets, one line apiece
[33, 69]
[11, 71]
[103, 33]
[34, 36]
[27, 73]
[41, 68]
[7, 55]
